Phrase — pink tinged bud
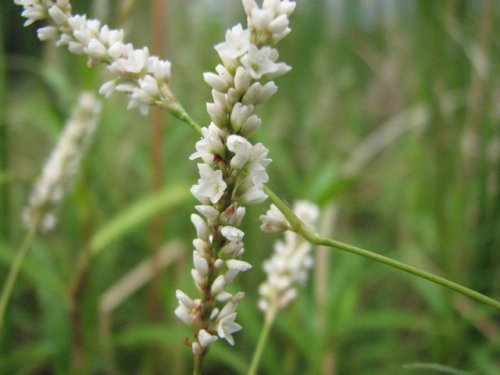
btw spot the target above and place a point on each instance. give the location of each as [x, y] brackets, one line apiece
[196, 348]
[233, 215]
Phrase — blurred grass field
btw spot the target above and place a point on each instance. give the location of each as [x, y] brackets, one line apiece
[389, 121]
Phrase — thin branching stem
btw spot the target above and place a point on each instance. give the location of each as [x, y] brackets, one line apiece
[15, 268]
[317, 239]
[264, 334]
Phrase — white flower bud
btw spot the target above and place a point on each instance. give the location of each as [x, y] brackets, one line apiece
[47, 33]
[205, 338]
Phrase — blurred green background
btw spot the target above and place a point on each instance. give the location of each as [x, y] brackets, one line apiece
[389, 121]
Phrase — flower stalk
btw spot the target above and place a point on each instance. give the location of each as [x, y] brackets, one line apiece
[232, 170]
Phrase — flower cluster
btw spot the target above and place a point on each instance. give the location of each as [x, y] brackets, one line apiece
[62, 165]
[290, 261]
[144, 78]
[232, 169]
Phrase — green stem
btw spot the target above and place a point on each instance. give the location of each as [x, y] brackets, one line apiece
[317, 239]
[178, 112]
[14, 271]
[198, 361]
[264, 334]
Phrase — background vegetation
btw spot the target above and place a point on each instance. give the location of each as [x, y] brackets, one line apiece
[389, 120]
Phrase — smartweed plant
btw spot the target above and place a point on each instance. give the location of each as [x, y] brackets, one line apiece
[232, 167]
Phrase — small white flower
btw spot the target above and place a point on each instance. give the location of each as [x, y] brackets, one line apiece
[184, 299]
[57, 15]
[218, 284]
[241, 149]
[107, 88]
[232, 249]
[232, 233]
[211, 144]
[273, 220]
[227, 327]
[209, 212]
[96, 49]
[211, 185]
[201, 227]
[242, 80]
[258, 163]
[291, 259]
[63, 164]
[260, 19]
[261, 62]
[258, 93]
[236, 44]
[205, 338]
[250, 193]
[159, 68]
[243, 120]
[238, 265]
[200, 264]
[285, 7]
[134, 63]
[216, 82]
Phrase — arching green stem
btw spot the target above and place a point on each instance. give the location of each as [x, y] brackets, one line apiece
[317, 239]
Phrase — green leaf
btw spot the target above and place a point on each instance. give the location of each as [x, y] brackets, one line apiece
[138, 213]
[39, 275]
[436, 368]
